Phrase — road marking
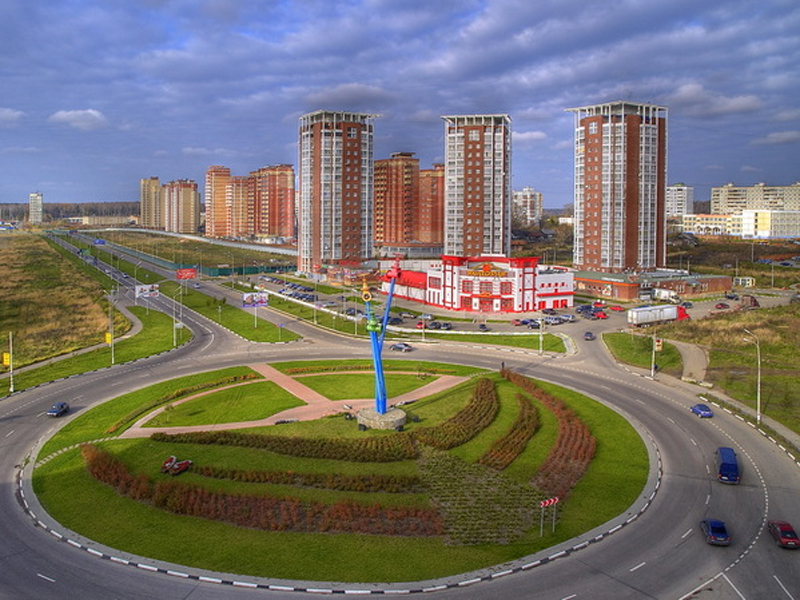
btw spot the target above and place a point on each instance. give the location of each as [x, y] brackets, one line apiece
[10, 432]
[671, 420]
[708, 499]
[685, 535]
[735, 589]
[570, 597]
[639, 566]
[46, 578]
[783, 587]
[692, 440]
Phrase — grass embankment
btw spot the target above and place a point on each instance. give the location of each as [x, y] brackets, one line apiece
[636, 348]
[614, 479]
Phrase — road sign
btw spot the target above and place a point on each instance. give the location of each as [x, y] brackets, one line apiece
[548, 502]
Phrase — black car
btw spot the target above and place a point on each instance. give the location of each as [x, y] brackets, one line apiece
[434, 325]
[59, 409]
[483, 327]
[589, 336]
[401, 347]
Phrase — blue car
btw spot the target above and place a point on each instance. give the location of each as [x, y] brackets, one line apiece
[715, 532]
[702, 410]
[59, 409]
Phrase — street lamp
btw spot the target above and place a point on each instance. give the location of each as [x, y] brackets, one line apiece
[756, 341]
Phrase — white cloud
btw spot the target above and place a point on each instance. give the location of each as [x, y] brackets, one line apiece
[9, 116]
[750, 169]
[697, 101]
[788, 115]
[85, 120]
[528, 136]
[779, 137]
[198, 151]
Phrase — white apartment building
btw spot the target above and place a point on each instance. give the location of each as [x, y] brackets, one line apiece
[477, 186]
[679, 200]
[528, 205]
[732, 199]
[336, 169]
[35, 208]
[770, 224]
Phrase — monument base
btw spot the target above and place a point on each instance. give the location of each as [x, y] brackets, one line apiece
[393, 418]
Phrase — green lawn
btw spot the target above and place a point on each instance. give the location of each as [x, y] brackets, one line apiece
[637, 350]
[357, 386]
[243, 402]
[613, 481]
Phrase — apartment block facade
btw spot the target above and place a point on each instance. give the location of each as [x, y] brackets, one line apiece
[528, 206]
[151, 203]
[620, 180]
[477, 188]
[396, 206]
[679, 200]
[260, 204]
[732, 199]
[430, 217]
[181, 206]
[35, 208]
[335, 202]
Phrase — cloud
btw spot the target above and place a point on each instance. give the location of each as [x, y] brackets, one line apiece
[788, 115]
[9, 116]
[779, 137]
[528, 136]
[85, 120]
[750, 169]
[350, 96]
[693, 99]
[198, 151]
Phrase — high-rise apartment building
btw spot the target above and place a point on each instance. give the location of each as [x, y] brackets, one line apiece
[335, 189]
[679, 200]
[35, 208]
[430, 217]
[620, 181]
[732, 199]
[528, 206]
[151, 203]
[396, 204]
[181, 206]
[244, 206]
[477, 188]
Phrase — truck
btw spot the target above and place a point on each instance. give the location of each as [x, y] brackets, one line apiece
[653, 315]
[666, 295]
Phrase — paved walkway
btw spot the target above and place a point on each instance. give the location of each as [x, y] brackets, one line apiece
[316, 405]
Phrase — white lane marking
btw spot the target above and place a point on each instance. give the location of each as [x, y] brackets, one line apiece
[10, 432]
[46, 578]
[639, 566]
[708, 499]
[685, 535]
[735, 589]
[783, 587]
[570, 597]
[692, 440]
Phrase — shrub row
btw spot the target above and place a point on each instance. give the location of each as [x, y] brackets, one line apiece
[345, 368]
[506, 449]
[175, 394]
[387, 448]
[574, 448]
[261, 512]
[393, 484]
[476, 416]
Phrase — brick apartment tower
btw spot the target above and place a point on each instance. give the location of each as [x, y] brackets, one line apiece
[477, 188]
[151, 203]
[217, 182]
[620, 187]
[396, 206]
[430, 216]
[273, 200]
[181, 206]
[335, 189]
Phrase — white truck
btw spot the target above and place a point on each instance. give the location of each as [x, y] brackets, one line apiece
[667, 295]
[652, 315]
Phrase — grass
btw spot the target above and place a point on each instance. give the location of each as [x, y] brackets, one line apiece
[245, 402]
[159, 328]
[356, 386]
[423, 367]
[637, 350]
[614, 480]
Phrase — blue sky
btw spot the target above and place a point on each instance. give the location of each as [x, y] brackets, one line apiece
[97, 94]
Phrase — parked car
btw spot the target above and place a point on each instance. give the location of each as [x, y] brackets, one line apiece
[483, 327]
[401, 347]
[395, 321]
[426, 317]
[421, 325]
[732, 296]
[600, 315]
[686, 304]
[618, 308]
[721, 306]
[589, 336]
[533, 324]
[568, 318]
[702, 410]
[552, 320]
[783, 534]
[434, 325]
[549, 311]
[516, 322]
[59, 409]
[599, 304]
[715, 532]
[447, 326]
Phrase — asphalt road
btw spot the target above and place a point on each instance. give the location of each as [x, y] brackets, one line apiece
[659, 554]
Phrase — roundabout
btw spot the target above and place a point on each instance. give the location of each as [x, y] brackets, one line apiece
[657, 553]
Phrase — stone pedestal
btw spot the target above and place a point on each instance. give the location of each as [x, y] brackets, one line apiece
[393, 418]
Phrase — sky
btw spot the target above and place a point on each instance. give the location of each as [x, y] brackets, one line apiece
[98, 94]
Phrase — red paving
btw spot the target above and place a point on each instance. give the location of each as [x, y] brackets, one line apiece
[316, 405]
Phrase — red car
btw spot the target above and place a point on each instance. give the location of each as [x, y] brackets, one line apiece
[601, 315]
[783, 534]
[421, 325]
[616, 308]
[599, 304]
[721, 306]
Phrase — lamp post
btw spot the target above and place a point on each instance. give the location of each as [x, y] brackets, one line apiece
[111, 323]
[756, 341]
[10, 362]
[541, 335]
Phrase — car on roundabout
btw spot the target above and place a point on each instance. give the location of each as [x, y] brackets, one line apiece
[59, 409]
[783, 534]
[721, 306]
[483, 327]
[715, 532]
[702, 411]
[589, 336]
[401, 347]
